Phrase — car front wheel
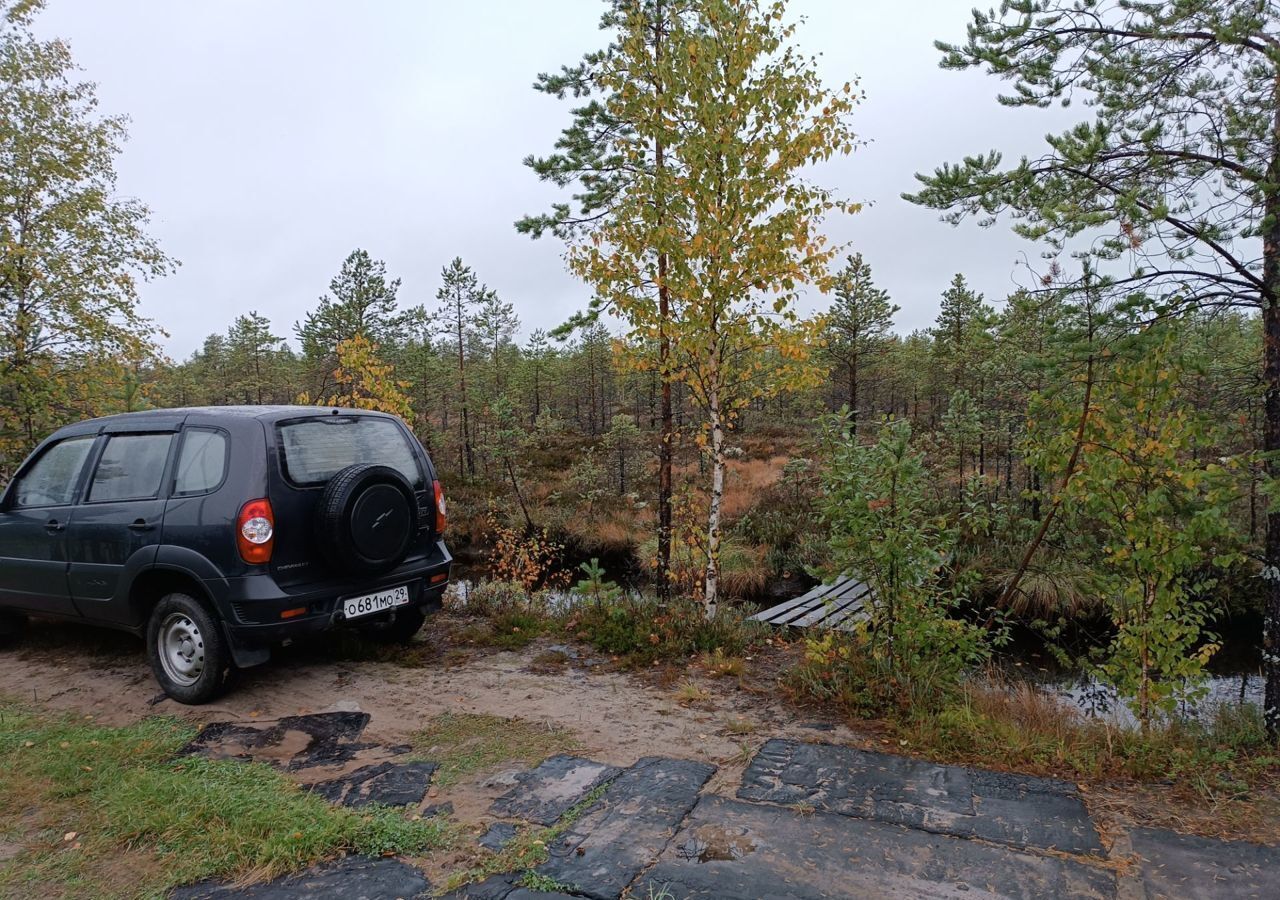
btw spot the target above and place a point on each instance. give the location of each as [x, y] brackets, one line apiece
[186, 649]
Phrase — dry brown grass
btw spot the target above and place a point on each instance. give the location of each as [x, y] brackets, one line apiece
[743, 570]
[744, 480]
[612, 528]
[1027, 707]
[691, 694]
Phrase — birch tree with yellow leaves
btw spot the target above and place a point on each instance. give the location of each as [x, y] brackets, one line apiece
[72, 250]
[741, 114]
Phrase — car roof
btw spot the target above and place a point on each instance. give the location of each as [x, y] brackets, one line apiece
[172, 418]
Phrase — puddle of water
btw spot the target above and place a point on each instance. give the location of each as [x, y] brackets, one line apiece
[1101, 701]
[714, 843]
[460, 591]
[1234, 678]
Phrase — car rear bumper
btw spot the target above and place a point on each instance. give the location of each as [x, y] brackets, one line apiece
[258, 612]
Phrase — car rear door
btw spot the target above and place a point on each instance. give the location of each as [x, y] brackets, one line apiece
[115, 529]
[311, 449]
[38, 506]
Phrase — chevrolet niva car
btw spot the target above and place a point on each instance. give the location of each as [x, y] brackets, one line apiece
[216, 533]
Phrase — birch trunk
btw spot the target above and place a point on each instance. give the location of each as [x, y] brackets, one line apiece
[717, 496]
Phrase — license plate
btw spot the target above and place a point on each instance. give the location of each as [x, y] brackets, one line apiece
[354, 607]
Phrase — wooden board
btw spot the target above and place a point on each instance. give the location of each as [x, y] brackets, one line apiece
[840, 604]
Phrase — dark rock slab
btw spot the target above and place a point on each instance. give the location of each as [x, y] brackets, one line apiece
[605, 850]
[1021, 811]
[731, 850]
[496, 887]
[388, 783]
[1179, 865]
[498, 836]
[544, 794]
[353, 878]
[504, 887]
[293, 742]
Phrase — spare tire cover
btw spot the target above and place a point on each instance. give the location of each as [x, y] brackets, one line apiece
[367, 519]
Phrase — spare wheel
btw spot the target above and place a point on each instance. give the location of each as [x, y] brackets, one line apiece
[367, 519]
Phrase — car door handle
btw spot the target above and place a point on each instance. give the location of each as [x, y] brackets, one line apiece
[53, 526]
[141, 525]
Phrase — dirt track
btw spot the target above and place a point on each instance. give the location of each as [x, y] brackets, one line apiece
[618, 717]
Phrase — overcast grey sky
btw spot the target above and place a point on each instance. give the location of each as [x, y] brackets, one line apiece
[272, 138]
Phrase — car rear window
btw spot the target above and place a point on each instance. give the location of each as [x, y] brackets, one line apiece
[201, 462]
[314, 450]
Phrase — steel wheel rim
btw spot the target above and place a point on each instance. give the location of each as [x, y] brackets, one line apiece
[181, 649]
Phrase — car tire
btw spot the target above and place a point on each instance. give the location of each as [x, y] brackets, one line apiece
[400, 630]
[12, 628]
[186, 649]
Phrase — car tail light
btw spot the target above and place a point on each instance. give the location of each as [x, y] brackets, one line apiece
[256, 531]
[442, 512]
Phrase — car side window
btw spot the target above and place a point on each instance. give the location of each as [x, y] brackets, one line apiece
[51, 481]
[130, 468]
[201, 461]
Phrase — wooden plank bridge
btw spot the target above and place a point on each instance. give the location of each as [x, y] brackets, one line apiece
[840, 604]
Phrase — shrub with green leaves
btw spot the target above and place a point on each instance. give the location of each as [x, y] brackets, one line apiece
[1160, 512]
[883, 531]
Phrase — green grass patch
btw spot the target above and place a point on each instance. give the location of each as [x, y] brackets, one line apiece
[642, 631]
[110, 812]
[511, 629]
[463, 743]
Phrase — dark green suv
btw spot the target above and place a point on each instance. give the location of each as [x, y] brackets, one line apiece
[218, 532]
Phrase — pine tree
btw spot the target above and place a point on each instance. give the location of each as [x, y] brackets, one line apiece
[599, 155]
[857, 327]
[460, 296]
[256, 358]
[960, 332]
[360, 301]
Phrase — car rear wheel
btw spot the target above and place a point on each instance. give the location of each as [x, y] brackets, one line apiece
[12, 627]
[400, 630]
[186, 649]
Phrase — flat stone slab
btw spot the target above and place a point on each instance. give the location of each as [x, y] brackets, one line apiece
[1021, 811]
[387, 783]
[506, 887]
[544, 794]
[293, 742]
[1176, 865]
[498, 836]
[731, 850]
[619, 836]
[353, 878]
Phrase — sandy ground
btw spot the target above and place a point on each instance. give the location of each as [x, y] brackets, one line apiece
[617, 716]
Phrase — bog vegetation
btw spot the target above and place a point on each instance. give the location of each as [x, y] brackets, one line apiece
[1093, 454]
